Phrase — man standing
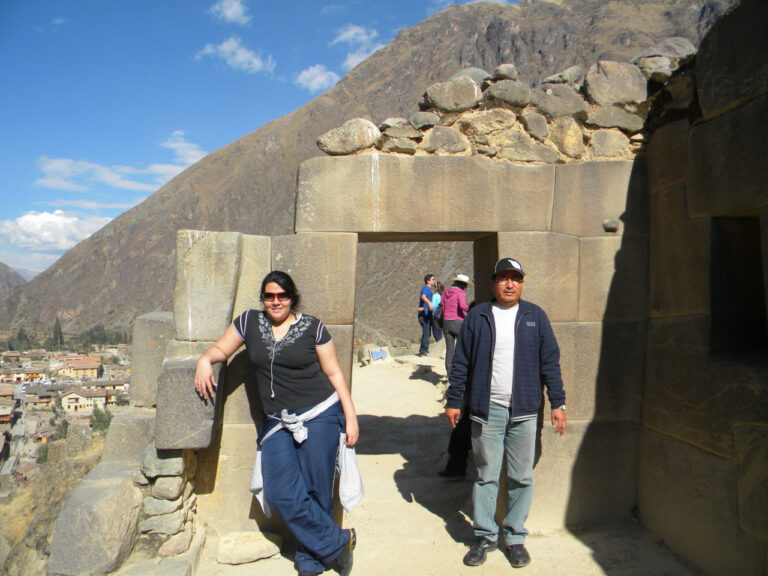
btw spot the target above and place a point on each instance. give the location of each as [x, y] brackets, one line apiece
[425, 313]
[506, 350]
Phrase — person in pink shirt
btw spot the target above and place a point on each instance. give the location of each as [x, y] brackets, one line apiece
[455, 307]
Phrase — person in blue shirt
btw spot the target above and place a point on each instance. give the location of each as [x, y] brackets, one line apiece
[425, 313]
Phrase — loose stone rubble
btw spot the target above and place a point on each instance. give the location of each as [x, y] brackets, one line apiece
[574, 116]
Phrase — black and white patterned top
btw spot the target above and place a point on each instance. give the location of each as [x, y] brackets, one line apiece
[288, 373]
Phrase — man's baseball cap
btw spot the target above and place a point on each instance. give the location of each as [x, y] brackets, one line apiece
[507, 264]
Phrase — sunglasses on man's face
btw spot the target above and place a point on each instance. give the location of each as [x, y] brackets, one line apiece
[272, 296]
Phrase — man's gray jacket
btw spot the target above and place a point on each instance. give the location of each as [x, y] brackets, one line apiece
[537, 363]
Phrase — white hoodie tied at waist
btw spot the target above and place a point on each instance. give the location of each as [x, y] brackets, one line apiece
[350, 482]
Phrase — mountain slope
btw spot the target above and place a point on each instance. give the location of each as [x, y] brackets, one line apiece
[127, 268]
[9, 279]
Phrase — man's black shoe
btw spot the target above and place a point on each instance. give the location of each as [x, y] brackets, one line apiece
[518, 556]
[478, 552]
[343, 562]
[452, 473]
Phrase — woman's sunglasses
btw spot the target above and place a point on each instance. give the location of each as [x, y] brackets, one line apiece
[272, 296]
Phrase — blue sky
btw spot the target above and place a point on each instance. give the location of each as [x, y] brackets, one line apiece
[103, 101]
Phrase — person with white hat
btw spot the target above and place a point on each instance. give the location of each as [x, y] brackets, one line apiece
[455, 308]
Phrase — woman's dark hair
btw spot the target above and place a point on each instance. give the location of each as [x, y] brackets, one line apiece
[460, 284]
[285, 282]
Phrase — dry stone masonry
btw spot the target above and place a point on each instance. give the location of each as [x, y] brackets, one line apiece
[574, 116]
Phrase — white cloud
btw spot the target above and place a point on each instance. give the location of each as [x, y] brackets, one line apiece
[317, 78]
[237, 56]
[49, 231]
[186, 153]
[79, 175]
[64, 173]
[355, 35]
[354, 58]
[95, 206]
[362, 39]
[231, 12]
[438, 5]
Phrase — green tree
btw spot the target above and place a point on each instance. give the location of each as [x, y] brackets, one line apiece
[100, 419]
[58, 335]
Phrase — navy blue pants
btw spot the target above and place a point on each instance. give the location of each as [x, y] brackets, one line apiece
[298, 484]
[426, 330]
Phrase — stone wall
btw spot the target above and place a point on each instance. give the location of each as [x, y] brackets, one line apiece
[703, 464]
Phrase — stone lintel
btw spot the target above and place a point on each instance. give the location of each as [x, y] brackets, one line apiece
[381, 193]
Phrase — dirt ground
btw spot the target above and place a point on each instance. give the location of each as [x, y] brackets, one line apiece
[412, 522]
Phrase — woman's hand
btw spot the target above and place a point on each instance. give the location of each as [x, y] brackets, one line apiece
[205, 383]
[352, 431]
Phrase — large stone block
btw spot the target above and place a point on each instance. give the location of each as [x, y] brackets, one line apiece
[726, 171]
[732, 60]
[602, 366]
[751, 445]
[226, 503]
[613, 278]
[323, 266]
[151, 334]
[586, 477]
[184, 349]
[679, 258]
[551, 264]
[255, 263]
[207, 266]
[668, 156]
[242, 404]
[95, 530]
[129, 434]
[686, 497]
[184, 420]
[695, 396]
[600, 199]
[380, 193]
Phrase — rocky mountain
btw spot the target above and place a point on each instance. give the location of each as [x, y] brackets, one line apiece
[9, 279]
[127, 268]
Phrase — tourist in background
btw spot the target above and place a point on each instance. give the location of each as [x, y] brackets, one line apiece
[437, 330]
[425, 310]
[299, 381]
[455, 308]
